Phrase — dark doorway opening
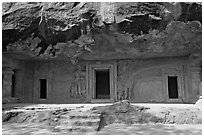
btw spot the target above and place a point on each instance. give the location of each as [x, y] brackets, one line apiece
[43, 88]
[13, 86]
[173, 86]
[102, 84]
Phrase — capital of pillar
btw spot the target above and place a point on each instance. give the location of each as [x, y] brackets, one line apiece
[7, 71]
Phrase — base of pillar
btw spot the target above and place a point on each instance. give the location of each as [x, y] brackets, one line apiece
[10, 100]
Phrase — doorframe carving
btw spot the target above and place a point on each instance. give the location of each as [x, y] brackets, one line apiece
[36, 93]
[180, 81]
[90, 81]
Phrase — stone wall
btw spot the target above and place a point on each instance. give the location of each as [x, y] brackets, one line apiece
[12, 69]
[144, 80]
[65, 81]
[138, 80]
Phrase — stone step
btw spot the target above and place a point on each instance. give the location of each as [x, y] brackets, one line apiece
[87, 122]
[82, 128]
[95, 116]
[75, 128]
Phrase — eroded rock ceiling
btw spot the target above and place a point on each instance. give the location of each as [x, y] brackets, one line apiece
[90, 30]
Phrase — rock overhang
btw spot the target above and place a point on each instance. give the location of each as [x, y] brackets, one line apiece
[101, 30]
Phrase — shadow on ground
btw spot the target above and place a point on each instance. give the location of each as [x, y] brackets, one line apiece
[112, 129]
[158, 129]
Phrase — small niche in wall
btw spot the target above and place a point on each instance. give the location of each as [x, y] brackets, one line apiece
[173, 87]
[43, 88]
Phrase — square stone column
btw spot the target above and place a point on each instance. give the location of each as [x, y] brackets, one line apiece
[7, 82]
[19, 90]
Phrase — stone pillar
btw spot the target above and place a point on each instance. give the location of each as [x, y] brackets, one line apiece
[19, 92]
[7, 82]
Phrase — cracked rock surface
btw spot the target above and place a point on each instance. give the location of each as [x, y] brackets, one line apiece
[90, 30]
[87, 119]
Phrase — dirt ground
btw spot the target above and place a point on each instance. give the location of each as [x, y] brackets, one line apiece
[114, 129]
[80, 119]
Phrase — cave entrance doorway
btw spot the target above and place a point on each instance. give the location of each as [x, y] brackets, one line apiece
[173, 83]
[102, 84]
[172, 87]
[13, 94]
[43, 88]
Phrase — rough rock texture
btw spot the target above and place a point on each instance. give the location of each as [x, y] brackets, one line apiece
[101, 30]
[60, 120]
[83, 119]
[123, 112]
